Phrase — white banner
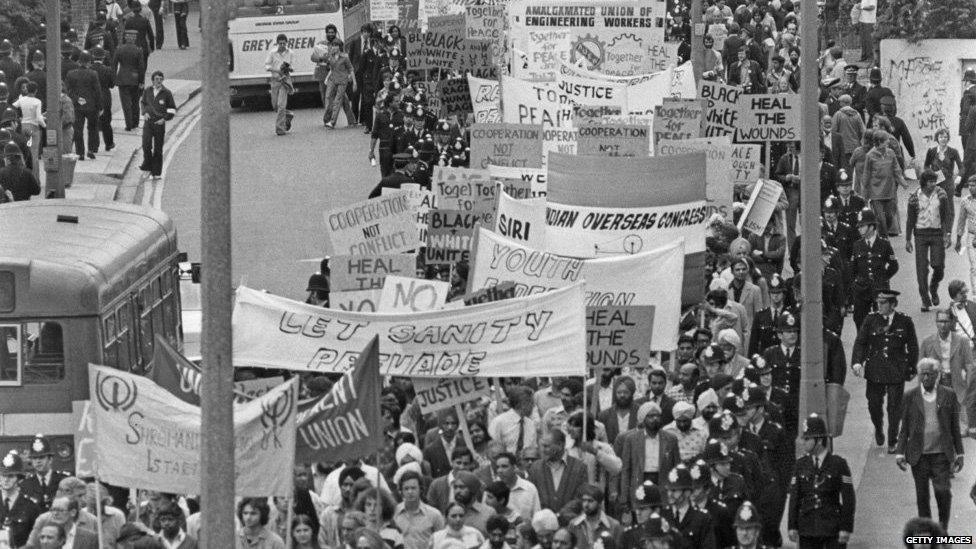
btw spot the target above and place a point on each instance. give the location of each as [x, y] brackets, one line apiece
[718, 168]
[541, 335]
[484, 100]
[383, 225]
[762, 204]
[541, 103]
[651, 278]
[360, 301]
[645, 92]
[523, 221]
[535, 176]
[593, 92]
[146, 437]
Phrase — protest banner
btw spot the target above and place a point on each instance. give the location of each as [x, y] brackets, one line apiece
[768, 117]
[515, 188]
[613, 140]
[590, 91]
[523, 221]
[535, 177]
[644, 91]
[383, 10]
[641, 203]
[366, 272]
[761, 205]
[746, 164]
[250, 389]
[518, 145]
[359, 301]
[617, 336]
[84, 439]
[613, 37]
[652, 277]
[377, 226]
[416, 55]
[721, 111]
[450, 233]
[594, 114]
[465, 189]
[421, 201]
[718, 168]
[413, 295]
[455, 97]
[677, 119]
[484, 22]
[530, 103]
[484, 100]
[498, 292]
[345, 424]
[434, 103]
[540, 335]
[145, 437]
[435, 395]
[407, 10]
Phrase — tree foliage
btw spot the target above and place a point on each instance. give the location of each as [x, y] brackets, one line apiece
[20, 20]
[916, 20]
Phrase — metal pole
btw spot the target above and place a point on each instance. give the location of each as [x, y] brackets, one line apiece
[52, 134]
[697, 34]
[812, 392]
[217, 388]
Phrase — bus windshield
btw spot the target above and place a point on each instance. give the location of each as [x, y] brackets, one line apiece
[253, 8]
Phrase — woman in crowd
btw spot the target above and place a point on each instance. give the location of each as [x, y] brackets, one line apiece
[456, 530]
[304, 533]
[945, 160]
[882, 177]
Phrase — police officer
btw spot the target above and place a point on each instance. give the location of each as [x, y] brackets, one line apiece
[701, 499]
[42, 484]
[10, 68]
[724, 427]
[747, 527]
[38, 76]
[405, 164]
[885, 353]
[384, 132]
[648, 498]
[760, 373]
[763, 335]
[106, 81]
[659, 533]
[777, 454]
[821, 492]
[17, 510]
[784, 359]
[695, 526]
[724, 484]
[836, 233]
[874, 264]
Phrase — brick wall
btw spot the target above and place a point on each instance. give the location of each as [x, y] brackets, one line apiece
[81, 14]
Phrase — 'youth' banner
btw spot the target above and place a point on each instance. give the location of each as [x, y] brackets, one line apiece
[541, 335]
[146, 437]
[651, 278]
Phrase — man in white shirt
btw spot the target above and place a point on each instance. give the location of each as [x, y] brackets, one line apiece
[516, 428]
[869, 16]
[279, 64]
[523, 496]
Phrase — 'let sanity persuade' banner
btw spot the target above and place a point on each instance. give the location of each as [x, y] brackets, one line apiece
[146, 437]
[542, 335]
[651, 278]
[381, 225]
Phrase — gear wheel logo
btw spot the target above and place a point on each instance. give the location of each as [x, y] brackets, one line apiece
[589, 50]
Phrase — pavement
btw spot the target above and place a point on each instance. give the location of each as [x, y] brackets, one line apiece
[100, 178]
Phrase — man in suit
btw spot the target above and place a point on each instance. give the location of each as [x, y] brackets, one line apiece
[874, 264]
[746, 73]
[129, 67]
[441, 491]
[622, 416]
[145, 38]
[955, 355]
[695, 526]
[558, 477]
[18, 511]
[43, 483]
[85, 92]
[930, 441]
[657, 382]
[885, 353]
[788, 174]
[357, 49]
[64, 512]
[106, 81]
[637, 465]
[438, 452]
[768, 250]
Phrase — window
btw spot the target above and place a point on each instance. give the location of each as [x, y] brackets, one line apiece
[118, 338]
[111, 345]
[31, 353]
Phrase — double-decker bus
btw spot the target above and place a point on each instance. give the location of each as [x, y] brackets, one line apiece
[254, 25]
[80, 282]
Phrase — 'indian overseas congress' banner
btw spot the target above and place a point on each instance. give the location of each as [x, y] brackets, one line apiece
[383, 225]
[641, 203]
[146, 437]
[541, 335]
[649, 278]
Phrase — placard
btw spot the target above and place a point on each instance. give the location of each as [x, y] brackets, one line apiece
[367, 272]
[412, 294]
[377, 226]
[498, 292]
[250, 389]
[589, 91]
[535, 177]
[613, 140]
[84, 439]
[516, 145]
[677, 119]
[464, 189]
[761, 205]
[618, 336]
[434, 395]
[746, 164]
[356, 301]
[540, 335]
[383, 10]
[484, 22]
[455, 97]
[718, 168]
[523, 221]
[484, 100]
[721, 108]
[768, 117]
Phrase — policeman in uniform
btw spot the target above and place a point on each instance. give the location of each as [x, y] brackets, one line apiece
[695, 526]
[701, 499]
[42, 484]
[784, 359]
[659, 533]
[648, 497]
[747, 527]
[384, 133]
[760, 373]
[763, 334]
[723, 484]
[777, 454]
[821, 493]
[405, 164]
[874, 264]
[886, 354]
[836, 233]
[724, 427]
[17, 510]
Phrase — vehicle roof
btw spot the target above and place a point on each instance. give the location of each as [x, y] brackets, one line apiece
[71, 269]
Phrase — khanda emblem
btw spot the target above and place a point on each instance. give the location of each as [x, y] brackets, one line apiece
[274, 415]
[114, 393]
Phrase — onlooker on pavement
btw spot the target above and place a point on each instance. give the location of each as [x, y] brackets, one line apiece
[15, 178]
[156, 7]
[106, 81]
[944, 160]
[158, 106]
[129, 67]
[85, 92]
[955, 355]
[279, 63]
[31, 120]
[181, 11]
[930, 222]
[882, 177]
[929, 440]
[847, 129]
[867, 20]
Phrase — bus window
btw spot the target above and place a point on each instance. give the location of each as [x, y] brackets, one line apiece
[145, 325]
[9, 354]
[111, 345]
[43, 352]
[125, 344]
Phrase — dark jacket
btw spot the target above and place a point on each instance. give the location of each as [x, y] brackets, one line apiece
[145, 38]
[11, 71]
[874, 266]
[872, 99]
[754, 82]
[42, 496]
[945, 211]
[129, 66]
[20, 181]
[911, 437]
[570, 484]
[158, 106]
[786, 376]
[436, 455]
[821, 501]
[966, 102]
[835, 361]
[39, 77]
[106, 81]
[611, 422]
[629, 446]
[20, 516]
[848, 214]
[889, 353]
[392, 181]
[696, 527]
[84, 90]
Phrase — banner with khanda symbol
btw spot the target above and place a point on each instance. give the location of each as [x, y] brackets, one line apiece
[146, 437]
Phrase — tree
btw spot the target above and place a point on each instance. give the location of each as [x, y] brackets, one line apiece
[20, 20]
[916, 20]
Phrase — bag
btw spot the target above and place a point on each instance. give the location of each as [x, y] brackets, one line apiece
[856, 14]
[837, 400]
